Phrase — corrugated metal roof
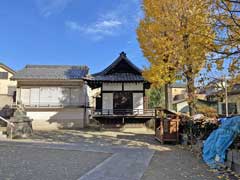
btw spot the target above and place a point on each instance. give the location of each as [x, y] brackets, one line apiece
[51, 72]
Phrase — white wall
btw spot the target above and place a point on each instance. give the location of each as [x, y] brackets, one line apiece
[24, 96]
[107, 99]
[34, 96]
[133, 86]
[5, 83]
[182, 107]
[112, 87]
[118, 87]
[58, 119]
[138, 102]
[92, 96]
[6, 98]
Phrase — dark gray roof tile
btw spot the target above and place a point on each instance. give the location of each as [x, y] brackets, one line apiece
[51, 72]
[126, 72]
[118, 77]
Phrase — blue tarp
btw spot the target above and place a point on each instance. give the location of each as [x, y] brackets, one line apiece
[216, 145]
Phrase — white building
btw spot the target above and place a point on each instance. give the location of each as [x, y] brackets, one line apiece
[53, 96]
[122, 91]
[7, 86]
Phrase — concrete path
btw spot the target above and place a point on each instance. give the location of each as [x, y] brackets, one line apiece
[124, 163]
[24, 162]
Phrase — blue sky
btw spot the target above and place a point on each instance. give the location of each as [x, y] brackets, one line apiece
[74, 32]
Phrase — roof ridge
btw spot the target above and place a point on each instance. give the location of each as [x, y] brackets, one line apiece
[51, 66]
[121, 57]
[54, 72]
[121, 73]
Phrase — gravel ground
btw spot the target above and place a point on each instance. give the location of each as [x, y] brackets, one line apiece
[28, 163]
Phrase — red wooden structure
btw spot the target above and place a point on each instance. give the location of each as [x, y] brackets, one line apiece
[166, 125]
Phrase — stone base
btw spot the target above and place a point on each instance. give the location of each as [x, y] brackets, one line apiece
[20, 130]
[54, 119]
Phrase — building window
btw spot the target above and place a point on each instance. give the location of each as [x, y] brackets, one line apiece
[53, 96]
[11, 90]
[3, 75]
[232, 108]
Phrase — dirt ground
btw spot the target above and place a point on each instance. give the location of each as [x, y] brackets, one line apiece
[175, 165]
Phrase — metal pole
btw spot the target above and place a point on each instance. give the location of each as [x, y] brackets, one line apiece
[11, 135]
[85, 104]
[226, 96]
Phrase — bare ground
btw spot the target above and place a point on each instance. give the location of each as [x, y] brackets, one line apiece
[131, 150]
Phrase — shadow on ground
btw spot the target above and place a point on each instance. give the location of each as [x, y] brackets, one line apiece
[168, 162]
[132, 137]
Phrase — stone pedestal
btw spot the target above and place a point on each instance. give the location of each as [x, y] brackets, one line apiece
[22, 125]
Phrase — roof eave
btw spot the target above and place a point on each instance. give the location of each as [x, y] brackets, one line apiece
[7, 68]
[34, 79]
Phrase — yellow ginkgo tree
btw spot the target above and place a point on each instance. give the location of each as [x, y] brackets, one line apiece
[226, 23]
[175, 37]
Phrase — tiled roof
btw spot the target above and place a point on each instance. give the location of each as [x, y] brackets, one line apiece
[112, 73]
[122, 57]
[51, 72]
[7, 68]
[118, 77]
[235, 90]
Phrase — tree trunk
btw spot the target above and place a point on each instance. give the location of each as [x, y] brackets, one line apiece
[189, 71]
[190, 92]
[166, 96]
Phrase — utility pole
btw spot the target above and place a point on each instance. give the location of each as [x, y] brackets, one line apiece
[85, 104]
[226, 96]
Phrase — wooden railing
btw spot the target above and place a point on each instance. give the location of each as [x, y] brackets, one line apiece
[149, 112]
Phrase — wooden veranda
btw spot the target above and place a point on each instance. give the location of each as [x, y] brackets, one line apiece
[123, 116]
